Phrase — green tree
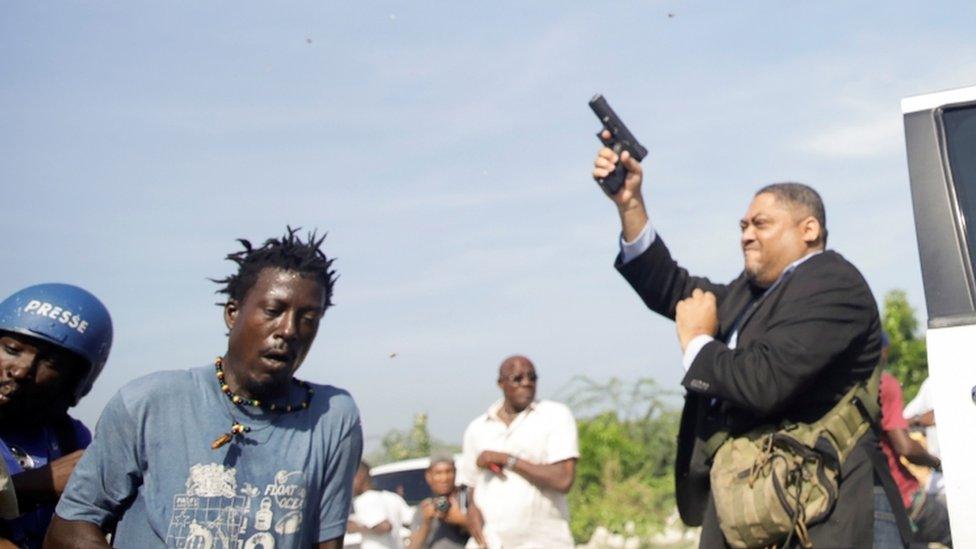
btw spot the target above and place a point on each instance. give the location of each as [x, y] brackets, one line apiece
[907, 358]
[416, 442]
[627, 442]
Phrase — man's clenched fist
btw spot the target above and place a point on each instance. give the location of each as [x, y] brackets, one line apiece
[696, 315]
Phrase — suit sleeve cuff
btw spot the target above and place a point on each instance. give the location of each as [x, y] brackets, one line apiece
[634, 248]
[694, 347]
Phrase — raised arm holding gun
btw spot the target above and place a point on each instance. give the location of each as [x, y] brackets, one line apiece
[785, 341]
[617, 138]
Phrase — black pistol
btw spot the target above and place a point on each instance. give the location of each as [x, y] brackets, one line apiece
[620, 140]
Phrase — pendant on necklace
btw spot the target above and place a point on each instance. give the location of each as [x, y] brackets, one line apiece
[235, 429]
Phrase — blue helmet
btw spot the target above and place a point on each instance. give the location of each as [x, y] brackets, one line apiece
[66, 316]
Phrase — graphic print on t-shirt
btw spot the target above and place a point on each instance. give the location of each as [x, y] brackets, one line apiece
[215, 513]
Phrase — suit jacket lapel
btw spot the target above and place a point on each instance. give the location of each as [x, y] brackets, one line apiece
[753, 307]
[739, 305]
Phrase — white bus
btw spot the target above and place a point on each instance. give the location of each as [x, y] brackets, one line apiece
[940, 135]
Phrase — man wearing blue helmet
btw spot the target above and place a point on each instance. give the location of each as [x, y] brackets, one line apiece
[237, 453]
[54, 341]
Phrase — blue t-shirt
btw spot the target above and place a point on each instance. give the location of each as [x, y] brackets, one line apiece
[25, 448]
[287, 483]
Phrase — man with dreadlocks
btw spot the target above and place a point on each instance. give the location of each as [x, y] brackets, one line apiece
[238, 453]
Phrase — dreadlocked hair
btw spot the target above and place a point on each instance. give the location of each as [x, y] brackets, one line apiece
[288, 253]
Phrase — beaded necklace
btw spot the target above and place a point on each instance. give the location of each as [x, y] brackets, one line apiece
[237, 428]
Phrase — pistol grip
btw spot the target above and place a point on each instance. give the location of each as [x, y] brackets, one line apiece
[612, 183]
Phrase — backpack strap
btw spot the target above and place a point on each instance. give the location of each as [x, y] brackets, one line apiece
[851, 417]
[715, 442]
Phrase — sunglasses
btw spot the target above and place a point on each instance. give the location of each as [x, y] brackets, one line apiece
[519, 378]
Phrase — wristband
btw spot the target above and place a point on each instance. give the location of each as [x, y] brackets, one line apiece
[510, 462]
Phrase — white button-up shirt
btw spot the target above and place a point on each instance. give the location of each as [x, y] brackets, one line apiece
[516, 512]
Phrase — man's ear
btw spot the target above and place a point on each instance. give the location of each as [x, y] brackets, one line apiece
[811, 230]
[231, 308]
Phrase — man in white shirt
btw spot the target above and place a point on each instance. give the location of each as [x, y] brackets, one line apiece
[519, 460]
[920, 412]
[377, 515]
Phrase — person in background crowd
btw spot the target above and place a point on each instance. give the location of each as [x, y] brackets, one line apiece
[442, 520]
[929, 515]
[378, 515]
[236, 453]
[54, 342]
[519, 461]
[920, 413]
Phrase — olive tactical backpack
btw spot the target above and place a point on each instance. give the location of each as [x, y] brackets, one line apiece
[770, 483]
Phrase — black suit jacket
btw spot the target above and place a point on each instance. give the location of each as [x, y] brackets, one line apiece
[801, 346]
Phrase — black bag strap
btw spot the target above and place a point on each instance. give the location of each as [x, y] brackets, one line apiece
[894, 496]
[882, 473]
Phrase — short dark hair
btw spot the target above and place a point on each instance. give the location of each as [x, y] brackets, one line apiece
[288, 253]
[363, 470]
[803, 196]
[441, 457]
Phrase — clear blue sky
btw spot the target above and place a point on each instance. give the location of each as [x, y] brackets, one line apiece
[445, 147]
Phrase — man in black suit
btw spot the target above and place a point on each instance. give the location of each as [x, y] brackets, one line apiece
[785, 340]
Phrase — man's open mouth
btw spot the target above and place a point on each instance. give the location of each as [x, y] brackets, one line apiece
[278, 358]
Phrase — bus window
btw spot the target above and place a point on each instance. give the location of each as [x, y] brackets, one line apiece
[960, 133]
